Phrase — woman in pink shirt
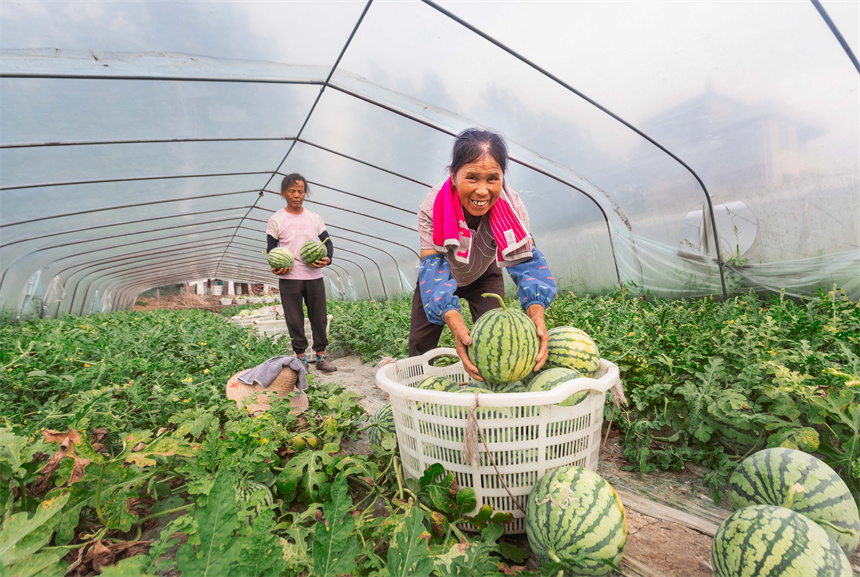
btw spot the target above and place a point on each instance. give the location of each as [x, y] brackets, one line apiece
[471, 227]
[290, 228]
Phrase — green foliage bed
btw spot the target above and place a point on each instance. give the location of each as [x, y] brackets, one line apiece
[113, 423]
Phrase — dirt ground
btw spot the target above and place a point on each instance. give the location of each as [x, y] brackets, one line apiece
[192, 301]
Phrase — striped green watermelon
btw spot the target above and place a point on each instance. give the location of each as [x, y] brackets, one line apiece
[573, 512]
[438, 383]
[504, 344]
[312, 251]
[769, 541]
[380, 423]
[798, 481]
[280, 258]
[572, 348]
[548, 379]
[246, 491]
[512, 387]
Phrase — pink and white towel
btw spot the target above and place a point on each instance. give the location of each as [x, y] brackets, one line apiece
[513, 242]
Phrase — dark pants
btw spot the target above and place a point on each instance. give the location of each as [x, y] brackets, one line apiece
[424, 335]
[313, 294]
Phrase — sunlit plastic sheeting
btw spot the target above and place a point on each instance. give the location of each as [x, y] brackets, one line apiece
[336, 290]
[801, 277]
[311, 33]
[30, 303]
[661, 270]
[148, 157]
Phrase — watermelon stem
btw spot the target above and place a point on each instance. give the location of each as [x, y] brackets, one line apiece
[501, 300]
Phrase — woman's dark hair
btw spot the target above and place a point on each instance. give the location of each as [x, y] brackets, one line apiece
[293, 178]
[472, 143]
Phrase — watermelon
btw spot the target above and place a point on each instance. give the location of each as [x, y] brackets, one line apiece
[380, 423]
[504, 344]
[798, 481]
[247, 490]
[572, 348]
[280, 258]
[770, 541]
[512, 387]
[312, 251]
[548, 379]
[574, 515]
[438, 383]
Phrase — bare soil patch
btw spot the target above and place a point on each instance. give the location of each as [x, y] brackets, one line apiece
[190, 301]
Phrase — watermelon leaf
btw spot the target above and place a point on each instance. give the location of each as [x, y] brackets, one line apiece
[334, 546]
[216, 523]
[262, 554]
[409, 556]
[22, 535]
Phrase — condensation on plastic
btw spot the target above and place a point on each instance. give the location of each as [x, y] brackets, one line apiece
[31, 301]
[196, 152]
[527, 434]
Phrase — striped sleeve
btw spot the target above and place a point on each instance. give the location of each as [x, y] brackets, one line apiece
[520, 207]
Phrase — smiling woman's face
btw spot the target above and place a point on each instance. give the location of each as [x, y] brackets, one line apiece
[478, 184]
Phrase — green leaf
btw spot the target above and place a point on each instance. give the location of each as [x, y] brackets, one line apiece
[262, 554]
[14, 451]
[334, 546]
[218, 551]
[130, 567]
[803, 439]
[160, 448]
[42, 564]
[22, 535]
[408, 555]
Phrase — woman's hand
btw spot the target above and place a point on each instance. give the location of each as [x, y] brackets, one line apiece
[462, 339]
[282, 271]
[535, 313]
[324, 261]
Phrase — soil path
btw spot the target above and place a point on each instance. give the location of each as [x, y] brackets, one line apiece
[671, 517]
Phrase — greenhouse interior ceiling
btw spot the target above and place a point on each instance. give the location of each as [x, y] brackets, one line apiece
[678, 148]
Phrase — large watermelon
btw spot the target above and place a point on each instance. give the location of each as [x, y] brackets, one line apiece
[504, 344]
[512, 387]
[548, 379]
[798, 481]
[280, 258]
[572, 348]
[574, 512]
[381, 422]
[246, 491]
[312, 251]
[438, 383]
[769, 541]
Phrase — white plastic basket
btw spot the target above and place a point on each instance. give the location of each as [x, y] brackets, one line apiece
[528, 434]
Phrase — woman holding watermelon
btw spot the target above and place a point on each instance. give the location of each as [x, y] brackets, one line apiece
[470, 227]
[291, 228]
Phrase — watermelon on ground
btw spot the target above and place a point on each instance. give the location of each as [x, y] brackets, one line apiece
[770, 541]
[798, 481]
[572, 348]
[380, 423]
[574, 515]
[504, 344]
[246, 491]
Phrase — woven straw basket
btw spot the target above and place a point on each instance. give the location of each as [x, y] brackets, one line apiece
[255, 399]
